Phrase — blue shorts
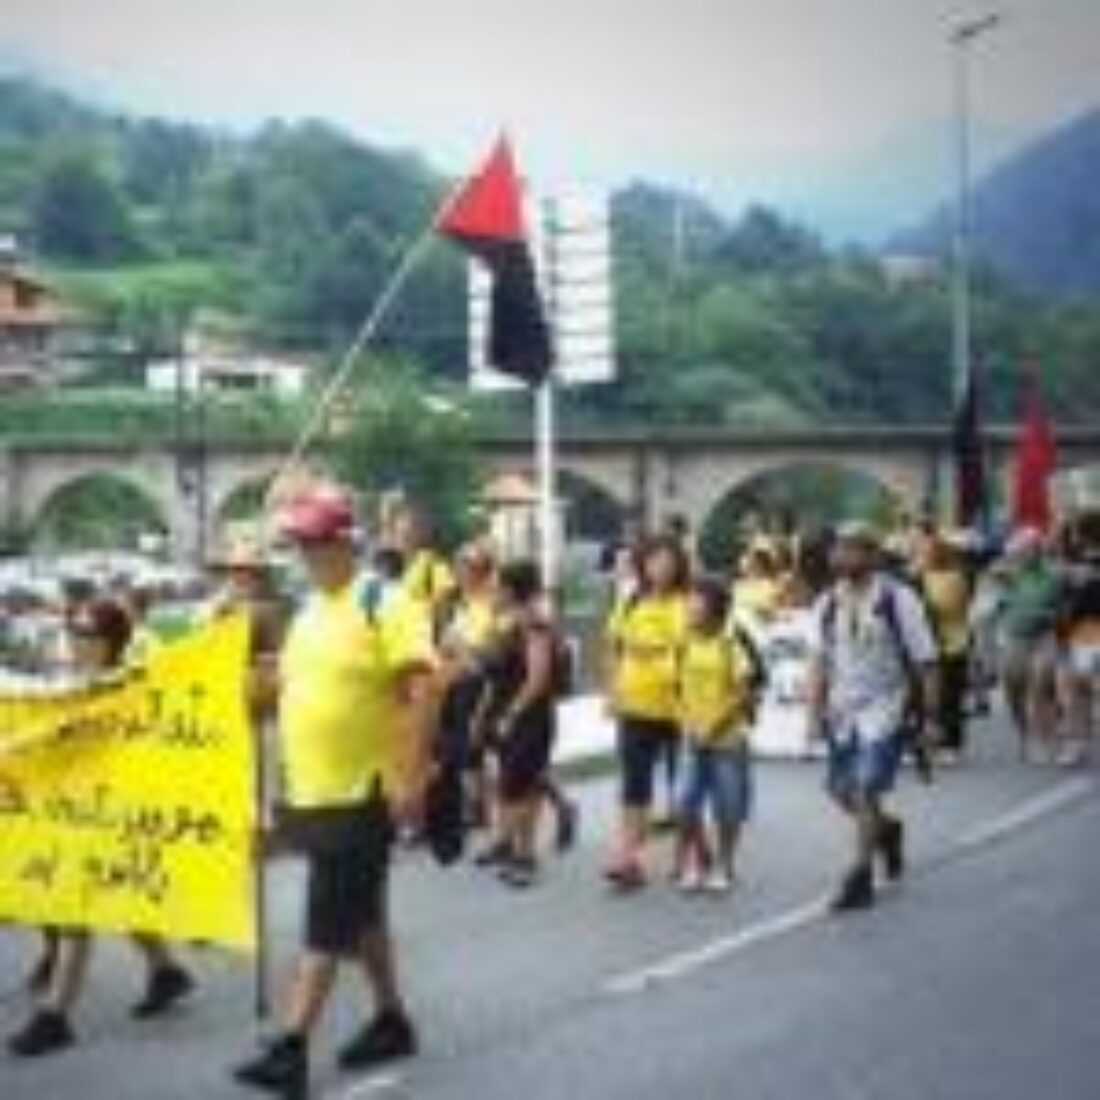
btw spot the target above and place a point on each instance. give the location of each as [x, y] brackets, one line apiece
[861, 769]
[720, 778]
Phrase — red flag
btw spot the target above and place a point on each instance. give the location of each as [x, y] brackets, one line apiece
[490, 205]
[486, 218]
[1036, 458]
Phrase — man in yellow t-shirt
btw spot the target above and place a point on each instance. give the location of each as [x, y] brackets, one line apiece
[716, 689]
[354, 721]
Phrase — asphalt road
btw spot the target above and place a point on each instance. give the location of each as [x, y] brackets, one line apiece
[979, 978]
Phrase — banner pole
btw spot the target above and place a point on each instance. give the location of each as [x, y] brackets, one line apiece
[366, 333]
[262, 992]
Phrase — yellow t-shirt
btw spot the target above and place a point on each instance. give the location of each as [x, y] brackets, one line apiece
[948, 596]
[428, 579]
[340, 717]
[474, 624]
[714, 689]
[647, 635]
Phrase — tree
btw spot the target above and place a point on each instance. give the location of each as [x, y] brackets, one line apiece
[77, 213]
[400, 436]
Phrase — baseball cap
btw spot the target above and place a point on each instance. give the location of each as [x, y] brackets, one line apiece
[319, 513]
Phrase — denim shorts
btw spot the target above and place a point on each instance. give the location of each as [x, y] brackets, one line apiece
[718, 778]
[859, 768]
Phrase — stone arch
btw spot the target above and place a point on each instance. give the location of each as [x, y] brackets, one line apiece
[593, 514]
[813, 483]
[99, 508]
[241, 499]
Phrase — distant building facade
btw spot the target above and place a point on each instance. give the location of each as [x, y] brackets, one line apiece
[211, 366]
[30, 319]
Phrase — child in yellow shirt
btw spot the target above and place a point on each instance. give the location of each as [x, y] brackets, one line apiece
[716, 688]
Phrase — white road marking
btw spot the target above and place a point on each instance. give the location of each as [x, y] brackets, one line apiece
[383, 1084]
[684, 963]
[1029, 813]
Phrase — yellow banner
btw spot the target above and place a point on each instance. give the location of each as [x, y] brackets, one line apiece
[128, 805]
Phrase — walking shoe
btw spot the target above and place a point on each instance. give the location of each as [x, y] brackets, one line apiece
[625, 875]
[1071, 755]
[689, 880]
[168, 985]
[389, 1036]
[519, 873]
[891, 845]
[281, 1068]
[718, 882]
[44, 1033]
[494, 855]
[568, 826]
[856, 892]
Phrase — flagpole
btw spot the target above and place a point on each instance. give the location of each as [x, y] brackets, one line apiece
[545, 462]
[410, 260]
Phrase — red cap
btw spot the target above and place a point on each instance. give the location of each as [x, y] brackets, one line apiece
[321, 513]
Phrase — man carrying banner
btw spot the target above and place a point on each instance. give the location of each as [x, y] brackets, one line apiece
[354, 714]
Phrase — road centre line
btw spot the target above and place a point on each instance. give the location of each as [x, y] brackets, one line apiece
[683, 963]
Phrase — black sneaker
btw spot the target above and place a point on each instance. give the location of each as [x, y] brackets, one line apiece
[389, 1036]
[521, 874]
[568, 826]
[856, 892]
[891, 845]
[168, 985]
[281, 1068]
[44, 1033]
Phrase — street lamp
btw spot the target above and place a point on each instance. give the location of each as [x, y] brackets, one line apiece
[963, 36]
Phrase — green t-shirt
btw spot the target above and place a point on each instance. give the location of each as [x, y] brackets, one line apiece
[1032, 601]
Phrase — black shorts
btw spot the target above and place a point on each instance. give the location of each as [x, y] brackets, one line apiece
[347, 886]
[642, 743]
[524, 757]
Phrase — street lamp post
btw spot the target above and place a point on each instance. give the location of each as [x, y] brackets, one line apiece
[963, 37]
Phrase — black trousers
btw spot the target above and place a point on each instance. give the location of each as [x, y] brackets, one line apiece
[954, 681]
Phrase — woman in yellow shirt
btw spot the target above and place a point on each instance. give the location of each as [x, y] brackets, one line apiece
[645, 636]
[716, 703]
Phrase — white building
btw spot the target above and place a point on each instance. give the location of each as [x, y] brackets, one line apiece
[210, 367]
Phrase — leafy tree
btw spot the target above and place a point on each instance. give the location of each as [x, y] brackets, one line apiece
[401, 436]
[77, 213]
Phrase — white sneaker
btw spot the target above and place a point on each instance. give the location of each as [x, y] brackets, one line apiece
[690, 881]
[718, 882]
[1071, 755]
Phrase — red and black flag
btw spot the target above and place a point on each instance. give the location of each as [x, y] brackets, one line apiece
[486, 218]
[969, 461]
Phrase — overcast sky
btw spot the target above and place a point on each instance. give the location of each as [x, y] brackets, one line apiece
[834, 109]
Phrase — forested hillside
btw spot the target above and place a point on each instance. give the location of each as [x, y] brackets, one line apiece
[290, 232]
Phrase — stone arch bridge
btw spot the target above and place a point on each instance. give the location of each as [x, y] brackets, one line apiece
[647, 473]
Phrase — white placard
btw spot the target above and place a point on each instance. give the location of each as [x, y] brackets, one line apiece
[570, 242]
